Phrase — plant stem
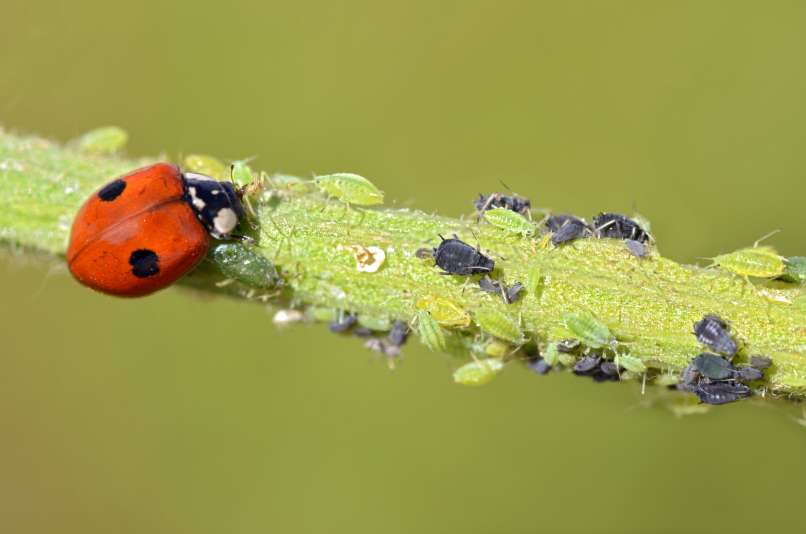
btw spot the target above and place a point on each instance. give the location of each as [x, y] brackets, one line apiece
[650, 304]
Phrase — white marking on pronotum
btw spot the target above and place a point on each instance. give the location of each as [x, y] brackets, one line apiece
[197, 176]
[199, 203]
[225, 221]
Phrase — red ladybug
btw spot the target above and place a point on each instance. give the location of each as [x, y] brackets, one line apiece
[142, 231]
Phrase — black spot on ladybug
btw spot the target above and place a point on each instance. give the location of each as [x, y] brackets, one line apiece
[112, 190]
[144, 263]
[455, 256]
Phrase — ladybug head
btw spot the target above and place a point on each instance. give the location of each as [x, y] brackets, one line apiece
[215, 203]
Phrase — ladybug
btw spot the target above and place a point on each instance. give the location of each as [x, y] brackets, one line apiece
[141, 232]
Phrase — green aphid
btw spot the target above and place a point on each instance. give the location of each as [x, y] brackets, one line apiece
[103, 141]
[479, 372]
[320, 314]
[378, 323]
[243, 264]
[630, 363]
[795, 269]
[667, 379]
[758, 262]
[431, 333]
[206, 165]
[684, 405]
[492, 349]
[568, 360]
[535, 282]
[444, 311]
[241, 174]
[500, 325]
[508, 220]
[551, 355]
[589, 330]
[350, 188]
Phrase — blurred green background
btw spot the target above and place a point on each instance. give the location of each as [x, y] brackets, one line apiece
[170, 414]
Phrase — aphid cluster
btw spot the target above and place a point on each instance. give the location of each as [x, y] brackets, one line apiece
[713, 377]
[567, 228]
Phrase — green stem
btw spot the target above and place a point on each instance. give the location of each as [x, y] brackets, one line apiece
[650, 304]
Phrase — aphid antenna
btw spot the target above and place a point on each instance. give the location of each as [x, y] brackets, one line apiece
[765, 236]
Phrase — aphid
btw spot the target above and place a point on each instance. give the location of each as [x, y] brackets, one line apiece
[363, 331]
[399, 333]
[760, 362]
[609, 368]
[569, 346]
[379, 323]
[444, 311]
[630, 363]
[757, 261]
[689, 378]
[493, 348]
[500, 325]
[721, 392]
[286, 317]
[206, 165]
[350, 188]
[636, 248]
[454, 256]
[497, 200]
[103, 141]
[343, 323]
[587, 365]
[367, 259]
[551, 355]
[589, 330]
[714, 333]
[478, 373]
[141, 232]
[243, 264]
[615, 225]
[713, 366]
[539, 365]
[566, 228]
[508, 294]
[431, 333]
[510, 221]
[749, 374]
[536, 282]
[321, 314]
[241, 173]
[567, 360]
[795, 269]
[380, 346]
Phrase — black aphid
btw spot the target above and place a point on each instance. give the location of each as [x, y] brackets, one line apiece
[508, 294]
[568, 346]
[587, 365]
[378, 345]
[343, 323]
[618, 226]
[713, 366]
[609, 368]
[721, 392]
[539, 366]
[565, 228]
[760, 362]
[399, 333]
[749, 374]
[455, 256]
[497, 200]
[363, 331]
[636, 248]
[714, 333]
[601, 376]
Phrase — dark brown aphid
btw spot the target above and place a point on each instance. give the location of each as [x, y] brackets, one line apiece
[539, 366]
[609, 368]
[508, 294]
[760, 362]
[569, 346]
[566, 228]
[721, 392]
[343, 323]
[714, 333]
[399, 333]
[636, 248]
[749, 374]
[587, 365]
[497, 200]
[455, 256]
[713, 366]
[617, 226]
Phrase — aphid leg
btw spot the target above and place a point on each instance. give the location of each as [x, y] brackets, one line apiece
[225, 282]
